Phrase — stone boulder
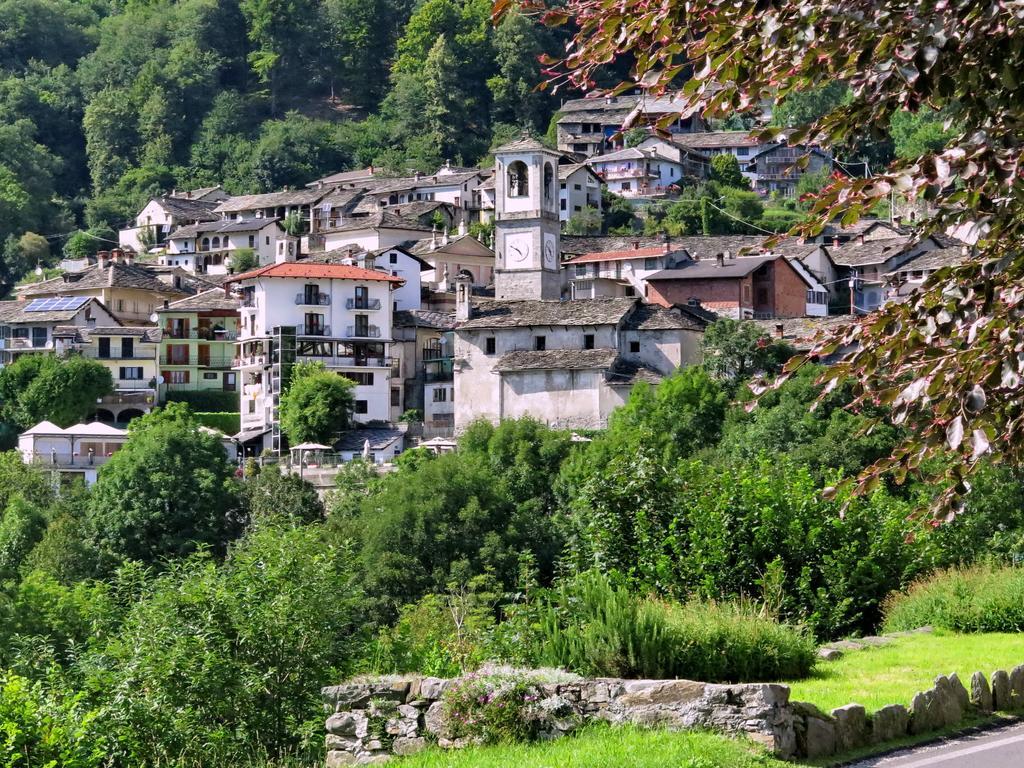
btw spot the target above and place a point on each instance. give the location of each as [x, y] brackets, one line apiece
[962, 696]
[348, 724]
[1001, 699]
[406, 745]
[829, 654]
[948, 701]
[819, 738]
[981, 695]
[926, 713]
[851, 727]
[1017, 686]
[889, 723]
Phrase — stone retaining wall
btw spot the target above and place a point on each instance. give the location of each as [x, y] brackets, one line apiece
[369, 722]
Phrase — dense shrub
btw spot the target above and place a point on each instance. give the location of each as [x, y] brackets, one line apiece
[205, 400]
[596, 628]
[491, 709]
[229, 423]
[977, 599]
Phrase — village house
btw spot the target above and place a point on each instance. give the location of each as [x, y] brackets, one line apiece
[593, 126]
[206, 247]
[337, 314]
[579, 189]
[744, 287]
[912, 274]
[618, 273]
[197, 348]
[162, 215]
[863, 263]
[651, 169]
[130, 291]
[526, 352]
[446, 256]
[31, 326]
[426, 345]
[383, 229]
[297, 203]
[739, 144]
[775, 169]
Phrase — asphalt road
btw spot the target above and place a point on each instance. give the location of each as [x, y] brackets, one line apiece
[999, 748]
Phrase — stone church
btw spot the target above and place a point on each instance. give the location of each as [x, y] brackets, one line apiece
[526, 352]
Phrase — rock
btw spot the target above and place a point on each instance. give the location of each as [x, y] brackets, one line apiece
[650, 692]
[409, 746]
[337, 759]
[889, 723]
[962, 696]
[343, 743]
[851, 727]
[981, 695]
[875, 640]
[433, 720]
[847, 645]
[819, 738]
[925, 630]
[374, 744]
[1017, 686]
[409, 711]
[340, 698]
[829, 654]
[347, 724]
[1001, 700]
[432, 687]
[947, 701]
[925, 713]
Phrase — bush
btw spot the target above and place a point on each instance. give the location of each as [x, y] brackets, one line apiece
[596, 628]
[205, 400]
[227, 422]
[978, 599]
[491, 709]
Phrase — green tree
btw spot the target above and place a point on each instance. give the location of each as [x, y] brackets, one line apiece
[586, 222]
[737, 349]
[214, 660]
[243, 260]
[22, 525]
[166, 492]
[42, 387]
[518, 45]
[807, 106]
[281, 498]
[317, 405]
[725, 169]
[919, 133]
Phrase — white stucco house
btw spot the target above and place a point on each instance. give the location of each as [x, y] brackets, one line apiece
[206, 247]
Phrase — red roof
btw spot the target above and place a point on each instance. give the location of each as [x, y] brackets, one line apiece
[318, 271]
[629, 253]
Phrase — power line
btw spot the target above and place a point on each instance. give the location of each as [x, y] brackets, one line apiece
[741, 221]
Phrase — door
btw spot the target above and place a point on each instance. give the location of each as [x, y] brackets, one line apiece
[104, 347]
[362, 297]
[204, 354]
[229, 382]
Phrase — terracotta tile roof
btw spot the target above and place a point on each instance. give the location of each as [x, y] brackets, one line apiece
[556, 359]
[316, 270]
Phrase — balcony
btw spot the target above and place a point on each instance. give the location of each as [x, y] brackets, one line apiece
[206, 334]
[313, 330]
[25, 344]
[313, 300]
[64, 460]
[627, 173]
[249, 361]
[365, 332]
[362, 303]
[351, 362]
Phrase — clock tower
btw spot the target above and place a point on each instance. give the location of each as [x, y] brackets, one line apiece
[526, 224]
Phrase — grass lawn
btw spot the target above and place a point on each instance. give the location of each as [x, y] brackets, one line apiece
[892, 674]
[605, 747]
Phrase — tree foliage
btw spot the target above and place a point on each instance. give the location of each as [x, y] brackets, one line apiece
[957, 335]
[317, 405]
[42, 387]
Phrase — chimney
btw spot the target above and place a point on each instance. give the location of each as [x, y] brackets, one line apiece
[729, 256]
[433, 238]
[116, 255]
[102, 258]
[167, 303]
[835, 241]
[636, 245]
[860, 239]
[668, 243]
[779, 331]
[720, 258]
[129, 257]
[462, 227]
[463, 291]
[444, 237]
[897, 220]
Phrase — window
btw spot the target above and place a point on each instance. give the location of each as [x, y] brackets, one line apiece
[393, 258]
[549, 181]
[634, 347]
[440, 395]
[362, 325]
[127, 347]
[577, 187]
[489, 345]
[209, 375]
[742, 151]
[104, 347]
[581, 270]
[361, 406]
[577, 208]
[540, 343]
[267, 239]
[626, 186]
[177, 377]
[588, 341]
[131, 373]
[38, 337]
[120, 305]
[311, 294]
[362, 296]
[561, 204]
[396, 398]
[518, 179]
[216, 242]
[230, 381]
[361, 378]
[651, 262]
[314, 324]
[252, 406]
[252, 241]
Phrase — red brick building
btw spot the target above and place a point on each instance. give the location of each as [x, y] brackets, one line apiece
[765, 286]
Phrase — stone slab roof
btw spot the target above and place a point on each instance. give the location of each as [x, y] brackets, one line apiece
[940, 257]
[499, 313]
[524, 144]
[114, 275]
[207, 301]
[651, 317]
[191, 210]
[14, 312]
[627, 373]
[557, 359]
[221, 226]
[871, 251]
[709, 269]
[424, 318]
[271, 200]
[715, 140]
[149, 335]
[379, 220]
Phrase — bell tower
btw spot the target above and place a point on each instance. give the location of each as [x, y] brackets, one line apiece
[526, 224]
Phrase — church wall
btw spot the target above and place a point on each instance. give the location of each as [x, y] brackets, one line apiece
[565, 399]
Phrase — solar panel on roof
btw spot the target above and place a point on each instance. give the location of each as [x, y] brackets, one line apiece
[59, 303]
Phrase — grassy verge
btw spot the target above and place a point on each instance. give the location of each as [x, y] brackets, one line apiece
[892, 674]
[605, 747]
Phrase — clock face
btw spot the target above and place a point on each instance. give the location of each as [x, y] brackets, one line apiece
[519, 250]
[549, 252]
